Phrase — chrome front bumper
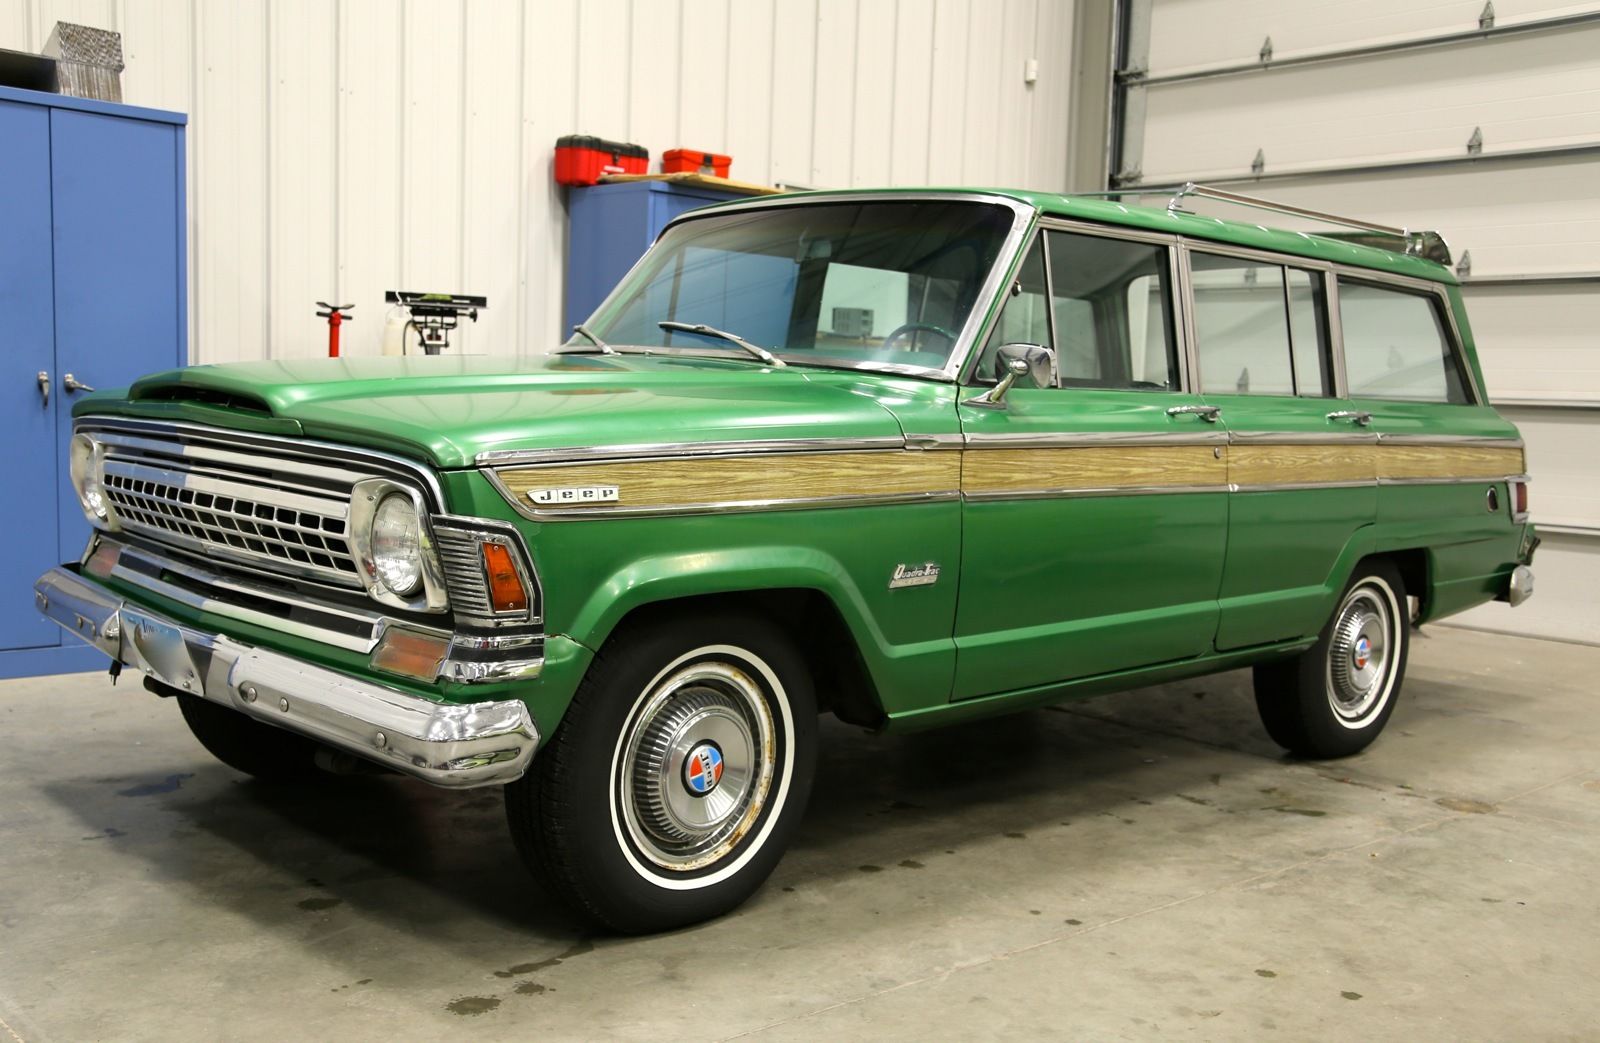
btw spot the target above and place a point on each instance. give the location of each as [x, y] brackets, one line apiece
[451, 745]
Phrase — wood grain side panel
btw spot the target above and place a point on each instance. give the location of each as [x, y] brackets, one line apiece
[681, 482]
[1251, 465]
[1112, 467]
[1438, 461]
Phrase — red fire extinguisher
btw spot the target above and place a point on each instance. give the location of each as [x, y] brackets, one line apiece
[336, 317]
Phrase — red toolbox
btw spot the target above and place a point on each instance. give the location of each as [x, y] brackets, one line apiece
[689, 161]
[581, 159]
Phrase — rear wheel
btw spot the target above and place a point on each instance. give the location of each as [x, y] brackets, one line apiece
[1333, 699]
[677, 776]
[270, 754]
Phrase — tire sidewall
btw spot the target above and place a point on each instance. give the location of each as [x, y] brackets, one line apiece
[626, 888]
[1338, 735]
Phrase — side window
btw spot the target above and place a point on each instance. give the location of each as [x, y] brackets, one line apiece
[1259, 327]
[1395, 346]
[1112, 300]
[1024, 318]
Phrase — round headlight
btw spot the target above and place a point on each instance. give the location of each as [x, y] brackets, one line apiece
[396, 543]
[86, 478]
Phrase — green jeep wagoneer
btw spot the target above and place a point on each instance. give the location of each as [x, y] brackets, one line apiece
[908, 457]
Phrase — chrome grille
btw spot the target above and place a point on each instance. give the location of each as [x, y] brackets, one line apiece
[461, 556]
[251, 505]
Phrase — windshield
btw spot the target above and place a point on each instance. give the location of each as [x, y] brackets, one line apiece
[875, 283]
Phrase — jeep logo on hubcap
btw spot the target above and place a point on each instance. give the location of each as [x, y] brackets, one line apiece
[703, 770]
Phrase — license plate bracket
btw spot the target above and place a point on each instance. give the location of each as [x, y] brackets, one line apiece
[160, 650]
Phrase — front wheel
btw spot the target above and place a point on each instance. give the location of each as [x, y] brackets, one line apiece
[677, 776]
[1333, 699]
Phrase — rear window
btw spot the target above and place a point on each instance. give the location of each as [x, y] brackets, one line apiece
[1397, 346]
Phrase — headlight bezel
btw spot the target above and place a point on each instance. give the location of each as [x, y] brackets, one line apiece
[86, 464]
[367, 497]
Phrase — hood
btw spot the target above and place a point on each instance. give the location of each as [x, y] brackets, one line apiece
[446, 410]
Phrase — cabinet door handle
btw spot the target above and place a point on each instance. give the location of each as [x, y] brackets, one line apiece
[1360, 418]
[44, 386]
[72, 383]
[1208, 413]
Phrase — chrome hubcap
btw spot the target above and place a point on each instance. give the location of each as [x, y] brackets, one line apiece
[1359, 653]
[697, 765]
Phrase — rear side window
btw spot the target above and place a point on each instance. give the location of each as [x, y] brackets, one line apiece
[1259, 327]
[1396, 346]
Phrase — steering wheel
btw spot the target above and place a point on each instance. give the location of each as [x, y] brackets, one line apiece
[918, 327]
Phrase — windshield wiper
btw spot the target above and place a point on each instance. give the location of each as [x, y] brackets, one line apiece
[733, 338]
[585, 332]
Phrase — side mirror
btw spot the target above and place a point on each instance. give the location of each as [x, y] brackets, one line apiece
[1012, 361]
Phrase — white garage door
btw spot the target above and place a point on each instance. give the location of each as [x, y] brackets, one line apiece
[1480, 121]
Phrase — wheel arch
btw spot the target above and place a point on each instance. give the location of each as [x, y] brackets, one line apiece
[830, 625]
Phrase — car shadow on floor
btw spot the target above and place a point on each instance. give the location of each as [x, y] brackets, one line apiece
[440, 863]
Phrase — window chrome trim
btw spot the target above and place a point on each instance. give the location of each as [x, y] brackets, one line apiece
[1054, 223]
[1023, 216]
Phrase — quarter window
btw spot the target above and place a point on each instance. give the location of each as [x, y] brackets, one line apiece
[1396, 347]
[1260, 328]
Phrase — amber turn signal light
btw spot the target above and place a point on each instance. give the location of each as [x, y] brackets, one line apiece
[506, 592]
[410, 654]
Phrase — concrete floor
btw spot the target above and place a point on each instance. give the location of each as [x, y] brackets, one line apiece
[1128, 867]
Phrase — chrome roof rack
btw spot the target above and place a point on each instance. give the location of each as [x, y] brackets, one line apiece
[1429, 246]
[1425, 244]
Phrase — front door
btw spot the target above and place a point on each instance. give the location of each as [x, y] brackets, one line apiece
[1096, 509]
[27, 509]
[1301, 464]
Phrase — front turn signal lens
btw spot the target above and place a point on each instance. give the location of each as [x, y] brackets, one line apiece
[410, 653]
[506, 592]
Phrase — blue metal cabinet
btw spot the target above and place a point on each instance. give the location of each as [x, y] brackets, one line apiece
[610, 228]
[93, 284]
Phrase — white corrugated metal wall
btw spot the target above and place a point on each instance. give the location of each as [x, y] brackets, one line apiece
[339, 148]
[1383, 134]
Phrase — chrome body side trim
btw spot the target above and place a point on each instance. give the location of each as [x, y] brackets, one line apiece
[1291, 487]
[1479, 441]
[600, 513]
[649, 450]
[1077, 493]
[1352, 436]
[447, 744]
[1092, 439]
[951, 440]
[1445, 481]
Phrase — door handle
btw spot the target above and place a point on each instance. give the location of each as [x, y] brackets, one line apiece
[1207, 413]
[1356, 416]
[44, 386]
[72, 383]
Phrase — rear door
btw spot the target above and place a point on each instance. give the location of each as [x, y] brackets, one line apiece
[1301, 460]
[1096, 510]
